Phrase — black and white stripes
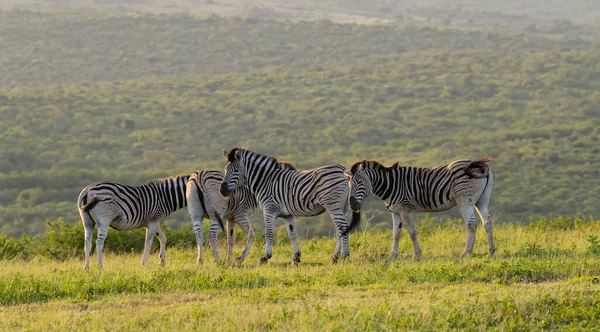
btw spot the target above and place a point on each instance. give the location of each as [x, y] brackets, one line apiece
[252, 179]
[407, 190]
[287, 193]
[125, 207]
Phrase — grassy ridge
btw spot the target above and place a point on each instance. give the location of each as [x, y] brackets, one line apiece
[542, 277]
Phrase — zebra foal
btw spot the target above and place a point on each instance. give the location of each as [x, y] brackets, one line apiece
[407, 190]
[125, 207]
[288, 193]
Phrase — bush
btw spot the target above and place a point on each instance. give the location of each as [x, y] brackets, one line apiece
[564, 223]
[15, 249]
[594, 242]
[62, 240]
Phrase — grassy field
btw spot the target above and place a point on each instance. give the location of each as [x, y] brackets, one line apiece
[544, 276]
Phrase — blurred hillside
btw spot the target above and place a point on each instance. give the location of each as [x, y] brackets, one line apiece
[358, 11]
[134, 97]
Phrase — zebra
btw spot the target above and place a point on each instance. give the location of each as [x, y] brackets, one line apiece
[125, 207]
[204, 200]
[407, 190]
[288, 193]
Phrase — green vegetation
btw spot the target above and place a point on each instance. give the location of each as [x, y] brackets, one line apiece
[147, 96]
[133, 90]
[535, 113]
[544, 276]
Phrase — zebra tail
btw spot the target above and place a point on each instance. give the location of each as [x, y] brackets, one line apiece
[478, 168]
[220, 221]
[354, 223]
[201, 196]
[87, 207]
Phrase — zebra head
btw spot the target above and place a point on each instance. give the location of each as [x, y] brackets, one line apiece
[361, 184]
[234, 172]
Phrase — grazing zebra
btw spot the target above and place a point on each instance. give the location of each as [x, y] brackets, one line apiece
[204, 200]
[406, 190]
[124, 207]
[288, 193]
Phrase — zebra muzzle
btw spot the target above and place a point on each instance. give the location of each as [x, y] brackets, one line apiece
[354, 205]
[224, 190]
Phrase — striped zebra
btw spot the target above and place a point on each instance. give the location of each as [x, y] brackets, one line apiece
[205, 201]
[125, 207]
[288, 193]
[406, 190]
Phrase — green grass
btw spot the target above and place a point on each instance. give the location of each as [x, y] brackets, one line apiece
[540, 278]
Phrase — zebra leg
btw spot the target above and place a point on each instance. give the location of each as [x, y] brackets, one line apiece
[162, 238]
[212, 238]
[290, 225]
[244, 223]
[88, 226]
[197, 214]
[339, 220]
[487, 224]
[396, 234]
[230, 239]
[269, 234]
[410, 222]
[468, 215]
[102, 233]
[150, 232]
[197, 225]
[338, 246]
[482, 209]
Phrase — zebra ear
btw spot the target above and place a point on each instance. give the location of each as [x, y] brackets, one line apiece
[363, 165]
[225, 154]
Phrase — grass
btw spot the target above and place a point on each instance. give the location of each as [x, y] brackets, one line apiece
[539, 279]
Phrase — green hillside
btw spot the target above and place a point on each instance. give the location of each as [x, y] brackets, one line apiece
[43, 49]
[133, 98]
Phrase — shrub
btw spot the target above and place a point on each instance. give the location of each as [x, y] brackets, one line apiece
[14, 248]
[594, 242]
[61, 240]
[563, 223]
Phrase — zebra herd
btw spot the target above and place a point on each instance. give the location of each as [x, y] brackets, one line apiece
[252, 180]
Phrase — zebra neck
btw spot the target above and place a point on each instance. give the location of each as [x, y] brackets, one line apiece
[173, 191]
[383, 184]
[259, 172]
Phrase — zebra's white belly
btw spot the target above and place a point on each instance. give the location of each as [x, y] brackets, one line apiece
[122, 224]
[399, 207]
[443, 207]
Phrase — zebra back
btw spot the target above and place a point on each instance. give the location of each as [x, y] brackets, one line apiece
[138, 203]
[427, 189]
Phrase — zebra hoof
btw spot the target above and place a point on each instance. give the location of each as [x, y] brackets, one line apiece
[297, 257]
[264, 260]
[239, 260]
[334, 259]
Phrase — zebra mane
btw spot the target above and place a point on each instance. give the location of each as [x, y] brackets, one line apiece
[483, 160]
[231, 157]
[372, 164]
[286, 164]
